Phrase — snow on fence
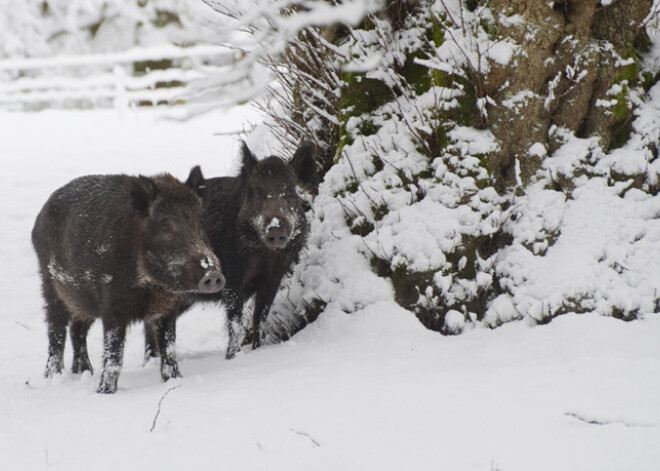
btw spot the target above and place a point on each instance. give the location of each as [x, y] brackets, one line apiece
[136, 77]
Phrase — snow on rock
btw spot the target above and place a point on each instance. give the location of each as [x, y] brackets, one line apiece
[594, 251]
[538, 150]
[501, 310]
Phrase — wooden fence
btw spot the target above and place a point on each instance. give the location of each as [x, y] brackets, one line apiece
[137, 77]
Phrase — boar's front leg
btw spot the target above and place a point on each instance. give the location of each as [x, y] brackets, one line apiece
[262, 304]
[150, 340]
[234, 305]
[166, 341]
[114, 338]
[78, 333]
[57, 317]
[160, 338]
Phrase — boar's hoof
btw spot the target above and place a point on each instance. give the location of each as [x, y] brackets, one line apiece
[231, 353]
[149, 354]
[212, 282]
[106, 389]
[169, 369]
[108, 383]
[54, 366]
[81, 364]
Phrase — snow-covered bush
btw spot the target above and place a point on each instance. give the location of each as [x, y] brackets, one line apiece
[458, 189]
[409, 194]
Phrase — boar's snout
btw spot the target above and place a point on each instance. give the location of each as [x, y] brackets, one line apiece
[212, 282]
[276, 238]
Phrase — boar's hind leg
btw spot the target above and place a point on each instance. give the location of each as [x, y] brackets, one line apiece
[114, 337]
[169, 368]
[78, 333]
[57, 317]
[151, 328]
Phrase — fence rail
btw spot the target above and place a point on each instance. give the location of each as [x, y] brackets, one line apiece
[140, 76]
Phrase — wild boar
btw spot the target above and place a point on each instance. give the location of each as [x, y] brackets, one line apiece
[257, 227]
[122, 249]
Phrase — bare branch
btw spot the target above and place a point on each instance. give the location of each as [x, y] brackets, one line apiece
[153, 424]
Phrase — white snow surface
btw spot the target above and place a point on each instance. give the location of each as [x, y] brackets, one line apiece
[370, 390]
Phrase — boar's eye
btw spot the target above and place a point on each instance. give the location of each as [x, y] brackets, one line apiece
[167, 228]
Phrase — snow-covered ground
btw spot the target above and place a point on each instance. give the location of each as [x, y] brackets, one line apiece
[372, 390]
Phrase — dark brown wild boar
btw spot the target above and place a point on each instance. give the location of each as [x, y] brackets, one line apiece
[257, 227]
[122, 249]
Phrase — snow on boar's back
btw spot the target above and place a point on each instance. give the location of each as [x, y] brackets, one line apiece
[122, 249]
[257, 226]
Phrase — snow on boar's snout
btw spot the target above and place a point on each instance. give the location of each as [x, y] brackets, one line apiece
[271, 213]
[121, 249]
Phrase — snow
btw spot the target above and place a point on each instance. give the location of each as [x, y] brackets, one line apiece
[207, 262]
[273, 224]
[599, 252]
[538, 150]
[30, 29]
[365, 386]
[368, 390]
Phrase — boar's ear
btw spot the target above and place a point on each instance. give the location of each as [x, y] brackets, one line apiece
[249, 161]
[304, 165]
[143, 193]
[196, 181]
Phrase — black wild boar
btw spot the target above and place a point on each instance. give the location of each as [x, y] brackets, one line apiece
[257, 226]
[121, 249]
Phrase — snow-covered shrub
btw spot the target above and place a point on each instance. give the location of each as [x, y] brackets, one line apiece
[408, 211]
[474, 196]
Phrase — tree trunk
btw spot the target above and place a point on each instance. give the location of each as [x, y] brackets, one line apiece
[575, 68]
